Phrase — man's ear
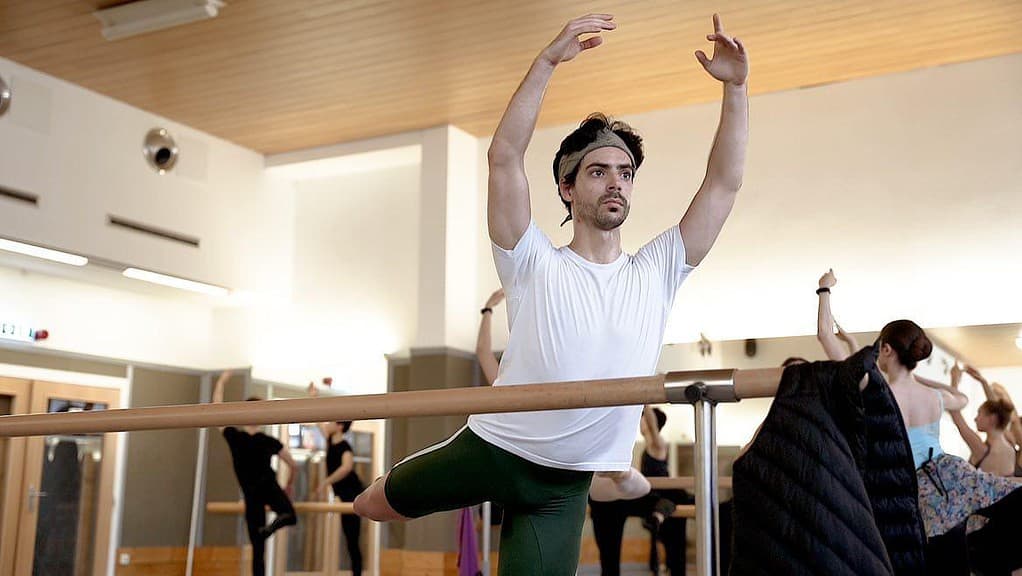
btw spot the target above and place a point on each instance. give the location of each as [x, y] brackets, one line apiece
[566, 190]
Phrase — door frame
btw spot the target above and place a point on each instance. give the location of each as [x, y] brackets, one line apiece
[41, 392]
[122, 384]
[379, 430]
[13, 465]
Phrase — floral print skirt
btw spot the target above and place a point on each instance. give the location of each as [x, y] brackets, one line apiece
[951, 490]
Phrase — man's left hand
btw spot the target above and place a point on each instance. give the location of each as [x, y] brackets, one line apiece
[730, 63]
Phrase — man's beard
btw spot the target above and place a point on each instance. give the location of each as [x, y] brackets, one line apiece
[605, 220]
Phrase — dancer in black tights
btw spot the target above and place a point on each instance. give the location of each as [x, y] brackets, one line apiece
[251, 451]
[342, 478]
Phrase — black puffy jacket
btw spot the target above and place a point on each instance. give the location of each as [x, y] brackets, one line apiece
[828, 487]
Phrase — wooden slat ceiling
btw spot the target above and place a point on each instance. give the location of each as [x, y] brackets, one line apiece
[277, 75]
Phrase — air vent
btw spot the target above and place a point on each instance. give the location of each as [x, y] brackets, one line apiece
[178, 237]
[19, 196]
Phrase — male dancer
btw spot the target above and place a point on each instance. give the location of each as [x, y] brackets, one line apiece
[582, 311]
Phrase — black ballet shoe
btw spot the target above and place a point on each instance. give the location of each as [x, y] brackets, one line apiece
[280, 522]
[664, 508]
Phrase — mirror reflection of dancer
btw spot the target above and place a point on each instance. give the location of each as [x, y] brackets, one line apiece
[251, 451]
[970, 516]
[997, 453]
[583, 311]
[343, 480]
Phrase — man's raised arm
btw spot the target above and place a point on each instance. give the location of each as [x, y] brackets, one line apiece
[713, 202]
[508, 208]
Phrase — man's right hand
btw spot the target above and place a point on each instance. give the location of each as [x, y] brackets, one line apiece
[828, 280]
[567, 44]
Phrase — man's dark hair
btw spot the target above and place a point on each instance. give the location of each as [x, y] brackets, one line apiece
[584, 135]
[344, 424]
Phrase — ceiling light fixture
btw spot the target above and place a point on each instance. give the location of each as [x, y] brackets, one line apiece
[44, 253]
[150, 15]
[175, 282]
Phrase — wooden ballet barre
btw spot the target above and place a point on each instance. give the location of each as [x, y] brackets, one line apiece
[656, 389]
[302, 507]
[684, 482]
[684, 511]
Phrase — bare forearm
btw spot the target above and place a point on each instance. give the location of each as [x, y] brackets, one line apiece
[218, 387]
[988, 391]
[649, 419]
[289, 473]
[519, 121]
[825, 329]
[712, 204]
[969, 435]
[484, 350]
[850, 341]
[338, 475]
[824, 317]
[508, 210]
[726, 165]
[483, 344]
[954, 400]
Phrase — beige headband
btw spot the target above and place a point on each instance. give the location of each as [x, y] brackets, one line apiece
[604, 138]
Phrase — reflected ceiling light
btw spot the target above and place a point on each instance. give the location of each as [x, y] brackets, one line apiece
[45, 253]
[150, 15]
[1018, 342]
[175, 282]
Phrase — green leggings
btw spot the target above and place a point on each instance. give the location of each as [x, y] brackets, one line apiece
[544, 508]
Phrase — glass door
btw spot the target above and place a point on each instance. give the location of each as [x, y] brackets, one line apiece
[67, 491]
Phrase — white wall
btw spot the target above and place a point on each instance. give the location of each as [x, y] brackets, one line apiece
[82, 154]
[86, 318]
[909, 185]
[355, 284]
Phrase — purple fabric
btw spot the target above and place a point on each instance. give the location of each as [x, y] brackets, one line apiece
[468, 557]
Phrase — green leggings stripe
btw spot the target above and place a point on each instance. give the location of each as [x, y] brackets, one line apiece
[544, 508]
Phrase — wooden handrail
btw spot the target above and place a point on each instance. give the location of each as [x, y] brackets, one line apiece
[448, 402]
[684, 483]
[301, 507]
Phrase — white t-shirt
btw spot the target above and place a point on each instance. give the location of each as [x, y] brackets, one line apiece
[572, 319]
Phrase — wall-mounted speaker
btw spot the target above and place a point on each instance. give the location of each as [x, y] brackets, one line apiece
[160, 150]
[5, 96]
